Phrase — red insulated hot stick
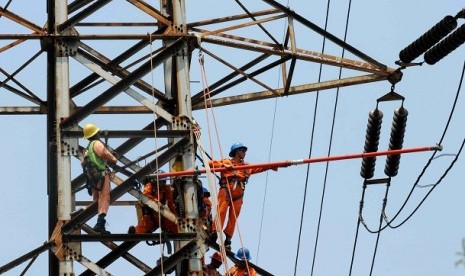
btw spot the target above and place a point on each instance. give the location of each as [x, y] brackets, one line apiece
[287, 163]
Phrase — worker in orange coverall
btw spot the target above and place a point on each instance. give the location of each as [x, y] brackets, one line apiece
[100, 157]
[150, 219]
[206, 210]
[231, 193]
[242, 268]
[211, 269]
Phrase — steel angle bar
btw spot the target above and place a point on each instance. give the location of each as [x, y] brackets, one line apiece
[122, 84]
[150, 10]
[111, 257]
[116, 203]
[252, 74]
[92, 266]
[173, 260]
[22, 21]
[240, 26]
[77, 4]
[127, 256]
[77, 88]
[303, 55]
[11, 77]
[156, 237]
[20, 93]
[29, 265]
[46, 246]
[289, 77]
[120, 190]
[247, 40]
[22, 110]
[11, 45]
[259, 25]
[122, 110]
[82, 15]
[242, 79]
[241, 72]
[231, 18]
[294, 90]
[197, 98]
[106, 63]
[324, 33]
[131, 92]
[290, 37]
[132, 133]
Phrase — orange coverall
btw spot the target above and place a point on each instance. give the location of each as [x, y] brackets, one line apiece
[103, 196]
[232, 187]
[241, 271]
[150, 219]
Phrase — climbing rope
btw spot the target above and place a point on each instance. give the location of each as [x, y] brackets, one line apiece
[213, 184]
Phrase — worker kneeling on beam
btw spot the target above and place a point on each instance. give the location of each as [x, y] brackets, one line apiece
[149, 220]
[231, 193]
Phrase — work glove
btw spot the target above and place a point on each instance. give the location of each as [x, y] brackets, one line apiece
[228, 167]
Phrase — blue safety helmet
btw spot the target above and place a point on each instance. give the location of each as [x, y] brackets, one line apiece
[161, 178]
[243, 254]
[205, 192]
[235, 147]
[153, 177]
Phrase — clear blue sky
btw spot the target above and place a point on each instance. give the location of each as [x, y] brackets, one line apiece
[275, 130]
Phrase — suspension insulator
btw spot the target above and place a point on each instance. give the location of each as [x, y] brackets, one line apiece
[397, 139]
[375, 118]
[428, 39]
[445, 47]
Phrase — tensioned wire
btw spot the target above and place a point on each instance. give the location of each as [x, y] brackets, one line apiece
[156, 151]
[269, 151]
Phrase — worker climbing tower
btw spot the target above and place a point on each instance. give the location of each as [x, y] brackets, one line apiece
[104, 59]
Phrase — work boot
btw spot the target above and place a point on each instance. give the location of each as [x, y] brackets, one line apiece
[227, 243]
[213, 236]
[100, 225]
[132, 230]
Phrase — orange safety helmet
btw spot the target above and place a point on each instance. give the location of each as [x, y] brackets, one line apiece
[217, 256]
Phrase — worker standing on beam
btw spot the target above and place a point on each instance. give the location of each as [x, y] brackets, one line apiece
[98, 159]
[232, 187]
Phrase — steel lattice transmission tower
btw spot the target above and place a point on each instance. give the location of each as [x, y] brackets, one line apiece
[91, 62]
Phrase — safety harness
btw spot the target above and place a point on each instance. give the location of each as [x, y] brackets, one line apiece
[94, 169]
[234, 180]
